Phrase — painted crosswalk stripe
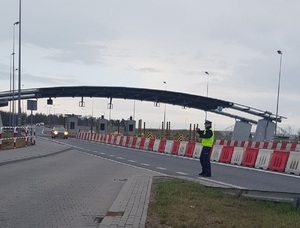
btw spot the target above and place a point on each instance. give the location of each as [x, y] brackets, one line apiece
[145, 164]
[181, 173]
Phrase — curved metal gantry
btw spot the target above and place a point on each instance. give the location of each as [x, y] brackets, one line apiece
[157, 96]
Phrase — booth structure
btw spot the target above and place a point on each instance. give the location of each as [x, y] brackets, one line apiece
[264, 131]
[242, 131]
[102, 125]
[129, 127]
[71, 123]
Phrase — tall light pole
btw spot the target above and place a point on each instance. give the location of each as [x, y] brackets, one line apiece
[13, 74]
[165, 111]
[19, 70]
[280, 53]
[206, 91]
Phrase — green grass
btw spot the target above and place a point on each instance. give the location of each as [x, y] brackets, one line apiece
[184, 204]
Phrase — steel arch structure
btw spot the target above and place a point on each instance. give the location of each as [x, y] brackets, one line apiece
[157, 96]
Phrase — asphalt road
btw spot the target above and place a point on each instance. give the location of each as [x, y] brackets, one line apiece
[229, 175]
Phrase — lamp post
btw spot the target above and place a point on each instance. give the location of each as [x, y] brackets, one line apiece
[280, 53]
[13, 74]
[206, 91]
[165, 111]
[19, 70]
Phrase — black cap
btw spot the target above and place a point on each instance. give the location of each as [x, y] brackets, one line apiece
[207, 122]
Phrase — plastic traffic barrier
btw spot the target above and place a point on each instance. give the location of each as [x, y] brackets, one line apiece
[250, 156]
[156, 145]
[197, 150]
[146, 144]
[168, 147]
[121, 140]
[142, 143]
[293, 164]
[263, 158]
[134, 140]
[138, 142]
[237, 156]
[124, 140]
[226, 154]
[162, 145]
[216, 153]
[182, 148]
[175, 147]
[151, 144]
[189, 151]
[279, 160]
[128, 138]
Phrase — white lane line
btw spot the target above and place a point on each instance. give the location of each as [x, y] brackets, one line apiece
[132, 161]
[102, 153]
[161, 168]
[111, 155]
[121, 158]
[145, 164]
[181, 173]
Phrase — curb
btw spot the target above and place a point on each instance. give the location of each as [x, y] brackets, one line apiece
[131, 205]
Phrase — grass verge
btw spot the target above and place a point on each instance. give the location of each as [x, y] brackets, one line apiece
[180, 203]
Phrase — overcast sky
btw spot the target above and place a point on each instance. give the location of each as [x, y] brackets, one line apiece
[139, 43]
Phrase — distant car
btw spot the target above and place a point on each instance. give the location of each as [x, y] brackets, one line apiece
[59, 132]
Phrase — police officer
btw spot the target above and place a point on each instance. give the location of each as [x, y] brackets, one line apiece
[207, 142]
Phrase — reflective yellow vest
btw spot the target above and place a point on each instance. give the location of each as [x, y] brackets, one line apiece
[210, 141]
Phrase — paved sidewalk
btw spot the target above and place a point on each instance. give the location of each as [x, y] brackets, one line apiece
[130, 207]
[42, 148]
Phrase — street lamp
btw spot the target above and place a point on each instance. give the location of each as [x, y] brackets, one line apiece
[165, 111]
[19, 70]
[280, 53]
[206, 91]
[13, 74]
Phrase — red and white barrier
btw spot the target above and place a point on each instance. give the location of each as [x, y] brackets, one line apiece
[274, 156]
[263, 158]
[168, 146]
[156, 145]
[26, 134]
[182, 148]
[293, 164]
[216, 153]
[197, 150]
[237, 156]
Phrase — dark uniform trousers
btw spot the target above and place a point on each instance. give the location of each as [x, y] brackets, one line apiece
[205, 160]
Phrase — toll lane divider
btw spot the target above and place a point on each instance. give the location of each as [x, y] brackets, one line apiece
[273, 156]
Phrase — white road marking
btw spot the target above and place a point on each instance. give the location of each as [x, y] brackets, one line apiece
[111, 155]
[161, 168]
[120, 158]
[145, 164]
[181, 173]
[132, 161]
[102, 153]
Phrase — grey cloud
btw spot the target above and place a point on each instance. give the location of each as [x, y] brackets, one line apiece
[149, 70]
[32, 80]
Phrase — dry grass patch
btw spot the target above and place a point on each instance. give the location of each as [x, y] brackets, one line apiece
[179, 203]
